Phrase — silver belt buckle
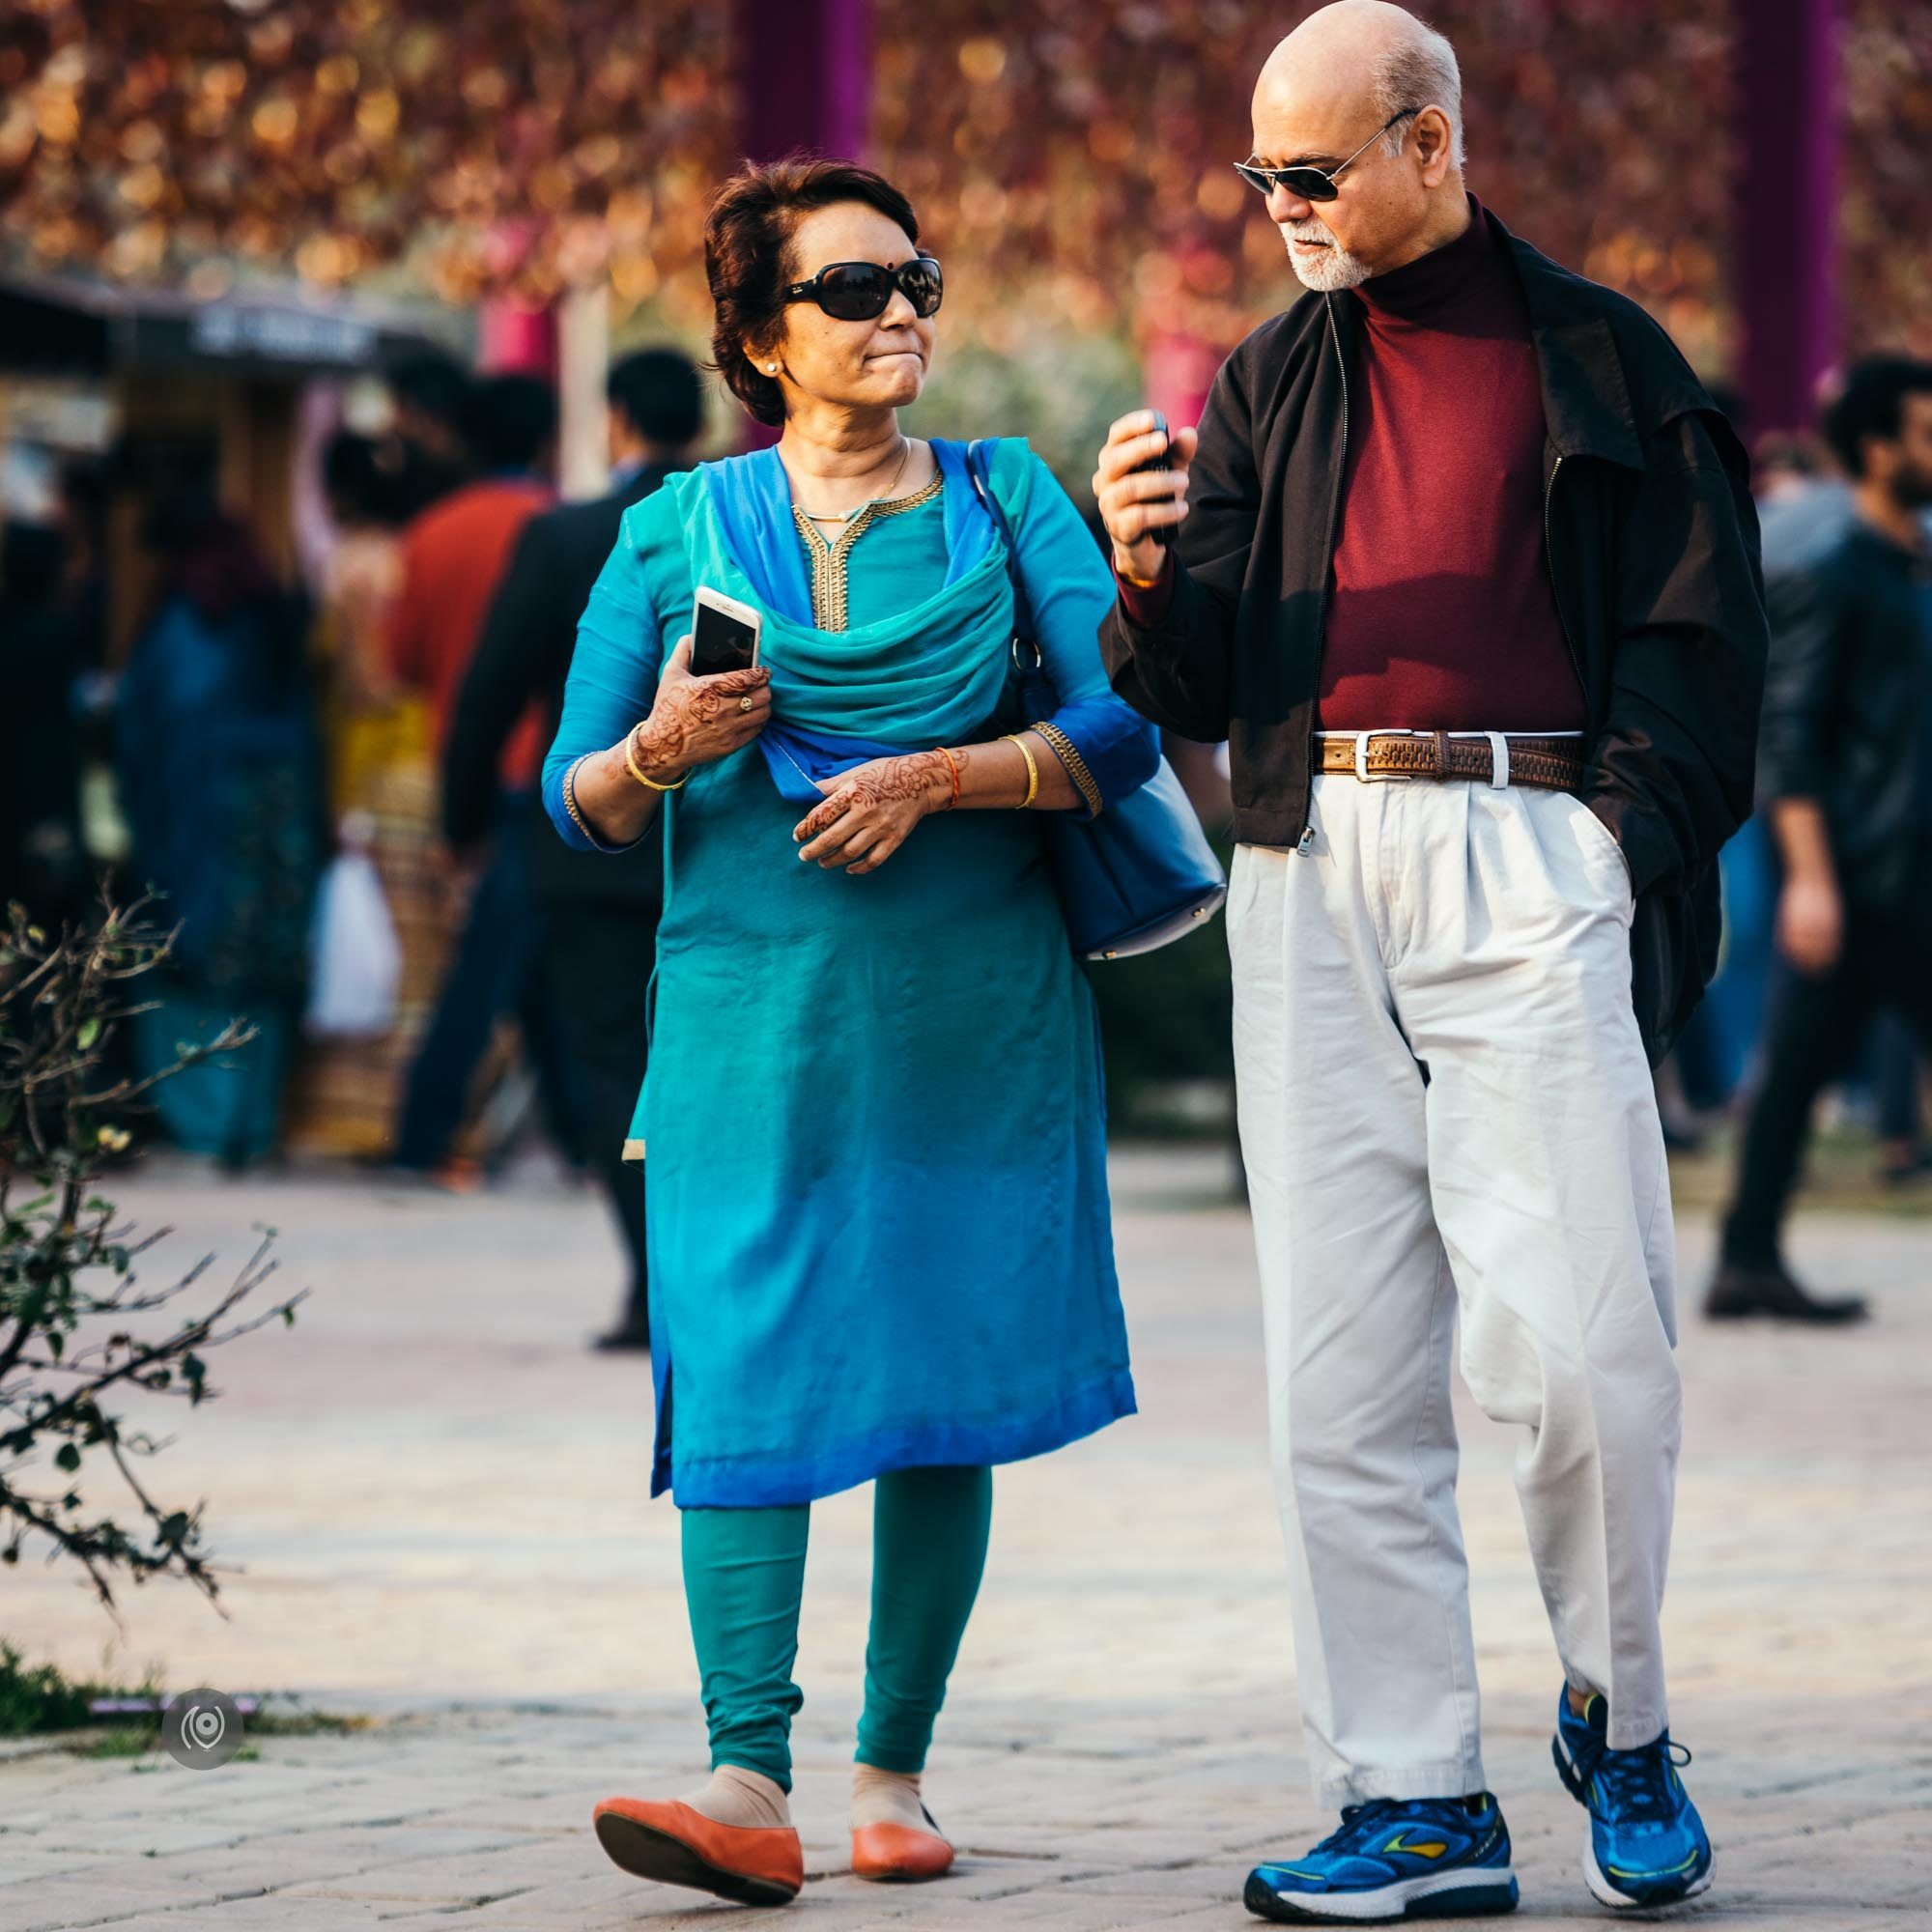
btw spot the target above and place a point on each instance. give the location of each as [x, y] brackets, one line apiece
[1362, 770]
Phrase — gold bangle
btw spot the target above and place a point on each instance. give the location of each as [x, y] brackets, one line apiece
[570, 804]
[1063, 749]
[576, 810]
[1033, 770]
[631, 765]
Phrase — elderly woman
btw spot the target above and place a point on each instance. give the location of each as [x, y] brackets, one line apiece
[872, 1122]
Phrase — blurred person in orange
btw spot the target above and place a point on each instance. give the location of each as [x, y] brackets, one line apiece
[376, 732]
[375, 721]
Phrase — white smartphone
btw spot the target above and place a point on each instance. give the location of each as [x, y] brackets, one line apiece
[724, 634]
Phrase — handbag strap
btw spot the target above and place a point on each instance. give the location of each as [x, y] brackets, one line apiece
[1025, 637]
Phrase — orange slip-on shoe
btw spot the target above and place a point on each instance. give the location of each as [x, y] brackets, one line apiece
[899, 1855]
[761, 1864]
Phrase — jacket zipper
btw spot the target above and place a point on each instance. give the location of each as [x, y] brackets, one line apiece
[1555, 588]
[1305, 844]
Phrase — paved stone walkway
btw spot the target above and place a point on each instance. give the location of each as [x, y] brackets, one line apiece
[438, 1498]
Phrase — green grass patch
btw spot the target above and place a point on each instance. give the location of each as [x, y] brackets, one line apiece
[122, 1742]
[305, 1724]
[40, 1700]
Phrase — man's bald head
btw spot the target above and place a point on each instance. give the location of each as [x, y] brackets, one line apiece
[1366, 52]
[1348, 71]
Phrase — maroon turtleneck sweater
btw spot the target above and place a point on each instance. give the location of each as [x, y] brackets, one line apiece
[1440, 614]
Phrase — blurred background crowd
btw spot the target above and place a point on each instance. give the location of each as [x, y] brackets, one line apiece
[334, 335]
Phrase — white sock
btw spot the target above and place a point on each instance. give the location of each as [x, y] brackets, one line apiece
[888, 1798]
[735, 1796]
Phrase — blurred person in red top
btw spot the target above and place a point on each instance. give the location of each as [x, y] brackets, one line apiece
[456, 551]
[454, 556]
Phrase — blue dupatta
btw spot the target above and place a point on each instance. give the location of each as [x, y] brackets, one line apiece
[933, 674]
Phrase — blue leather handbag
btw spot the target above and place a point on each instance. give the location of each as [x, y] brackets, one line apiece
[1141, 874]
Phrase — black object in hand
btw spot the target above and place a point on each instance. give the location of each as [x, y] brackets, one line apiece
[1163, 536]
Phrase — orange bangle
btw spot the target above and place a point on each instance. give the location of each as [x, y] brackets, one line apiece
[952, 766]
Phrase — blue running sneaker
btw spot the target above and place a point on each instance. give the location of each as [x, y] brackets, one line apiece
[1647, 1845]
[1395, 1858]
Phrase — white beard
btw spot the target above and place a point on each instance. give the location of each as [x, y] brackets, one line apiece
[1326, 269]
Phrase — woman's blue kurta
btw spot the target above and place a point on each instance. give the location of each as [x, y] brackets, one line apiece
[875, 1158]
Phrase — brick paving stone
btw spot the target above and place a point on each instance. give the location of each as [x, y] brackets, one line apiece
[439, 1497]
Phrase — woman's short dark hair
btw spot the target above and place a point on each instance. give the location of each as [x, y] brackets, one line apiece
[748, 257]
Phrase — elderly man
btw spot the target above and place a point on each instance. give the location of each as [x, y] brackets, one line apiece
[1467, 571]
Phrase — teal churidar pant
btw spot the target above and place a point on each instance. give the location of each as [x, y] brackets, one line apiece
[744, 1578]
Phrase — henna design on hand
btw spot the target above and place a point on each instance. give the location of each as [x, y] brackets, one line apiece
[823, 816]
[921, 774]
[696, 720]
[657, 743]
[887, 797]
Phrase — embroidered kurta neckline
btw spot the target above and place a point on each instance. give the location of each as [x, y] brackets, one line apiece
[830, 579]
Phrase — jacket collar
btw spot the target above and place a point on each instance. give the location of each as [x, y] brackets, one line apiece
[1587, 407]
[1586, 401]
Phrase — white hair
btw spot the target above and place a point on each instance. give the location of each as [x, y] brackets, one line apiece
[1420, 72]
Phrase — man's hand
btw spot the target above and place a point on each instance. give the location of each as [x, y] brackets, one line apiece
[1133, 503]
[1810, 923]
[1810, 910]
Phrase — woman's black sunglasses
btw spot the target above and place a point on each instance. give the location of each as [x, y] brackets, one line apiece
[1311, 184]
[860, 290]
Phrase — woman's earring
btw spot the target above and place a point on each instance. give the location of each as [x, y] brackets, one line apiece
[772, 367]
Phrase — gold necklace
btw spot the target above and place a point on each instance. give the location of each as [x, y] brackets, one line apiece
[846, 516]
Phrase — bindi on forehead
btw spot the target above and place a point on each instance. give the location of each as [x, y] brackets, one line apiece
[840, 234]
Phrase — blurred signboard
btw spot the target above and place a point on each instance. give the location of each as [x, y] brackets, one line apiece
[60, 326]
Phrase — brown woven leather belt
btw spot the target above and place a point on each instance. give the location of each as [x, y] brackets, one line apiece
[1553, 764]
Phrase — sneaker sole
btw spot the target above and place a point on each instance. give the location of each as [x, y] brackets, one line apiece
[1605, 1893]
[645, 1853]
[1466, 1895]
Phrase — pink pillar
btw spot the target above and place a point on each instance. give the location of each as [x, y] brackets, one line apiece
[805, 77]
[514, 339]
[1787, 207]
[1180, 369]
[804, 71]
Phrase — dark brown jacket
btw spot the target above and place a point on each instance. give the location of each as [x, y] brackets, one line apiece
[1651, 538]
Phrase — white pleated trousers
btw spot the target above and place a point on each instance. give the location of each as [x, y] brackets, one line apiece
[1445, 1108]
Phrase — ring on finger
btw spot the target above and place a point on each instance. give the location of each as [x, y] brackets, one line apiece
[745, 702]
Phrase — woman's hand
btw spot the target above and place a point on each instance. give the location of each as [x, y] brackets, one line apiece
[871, 809]
[697, 721]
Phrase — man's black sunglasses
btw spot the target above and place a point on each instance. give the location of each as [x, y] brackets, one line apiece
[860, 290]
[1311, 184]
